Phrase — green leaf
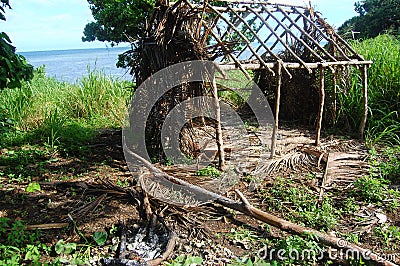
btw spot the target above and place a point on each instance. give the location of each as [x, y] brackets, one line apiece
[193, 261]
[32, 187]
[64, 248]
[100, 238]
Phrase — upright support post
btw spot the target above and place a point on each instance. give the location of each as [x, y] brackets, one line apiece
[334, 96]
[277, 103]
[364, 75]
[321, 103]
[218, 131]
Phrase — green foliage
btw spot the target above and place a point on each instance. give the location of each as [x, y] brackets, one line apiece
[18, 246]
[62, 247]
[370, 189]
[100, 238]
[388, 235]
[59, 114]
[300, 204]
[255, 262]
[32, 187]
[383, 124]
[13, 67]
[183, 260]
[116, 21]
[375, 17]
[208, 171]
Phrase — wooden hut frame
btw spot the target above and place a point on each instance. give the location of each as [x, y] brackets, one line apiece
[251, 35]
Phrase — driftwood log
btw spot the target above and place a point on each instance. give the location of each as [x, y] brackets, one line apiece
[246, 208]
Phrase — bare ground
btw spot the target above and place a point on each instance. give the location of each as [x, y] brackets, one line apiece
[94, 191]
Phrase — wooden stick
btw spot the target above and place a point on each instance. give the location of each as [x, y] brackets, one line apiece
[321, 103]
[237, 62]
[322, 188]
[323, 34]
[364, 75]
[218, 131]
[306, 34]
[297, 65]
[277, 36]
[277, 103]
[255, 34]
[46, 226]
[240, 34]
[246, 208]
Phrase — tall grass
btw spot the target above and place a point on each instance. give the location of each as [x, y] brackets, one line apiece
[383, 124]
[45, 109]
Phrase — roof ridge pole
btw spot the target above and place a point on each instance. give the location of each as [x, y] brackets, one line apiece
[364, 76]
[321, 103]
[277, 103]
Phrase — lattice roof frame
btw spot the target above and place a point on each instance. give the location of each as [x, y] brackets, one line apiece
[285, 21]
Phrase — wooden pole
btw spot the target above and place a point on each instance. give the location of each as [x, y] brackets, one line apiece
[218, 131]
[364, 75]
[335, 83]
[277, 103]
[321, 103]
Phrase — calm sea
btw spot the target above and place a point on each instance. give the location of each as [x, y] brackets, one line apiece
[70, 65]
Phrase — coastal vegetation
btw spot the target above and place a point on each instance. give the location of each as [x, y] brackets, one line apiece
[13, 67]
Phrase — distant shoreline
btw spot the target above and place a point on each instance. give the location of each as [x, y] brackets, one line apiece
[70, 65]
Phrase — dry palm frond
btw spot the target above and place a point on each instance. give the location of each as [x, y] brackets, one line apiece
[288, 162]
[343, 167]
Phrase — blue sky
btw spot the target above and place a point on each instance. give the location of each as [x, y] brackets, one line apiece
[37, 25]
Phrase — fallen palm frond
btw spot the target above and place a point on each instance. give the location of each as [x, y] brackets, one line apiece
[287, 162]
[343, 168]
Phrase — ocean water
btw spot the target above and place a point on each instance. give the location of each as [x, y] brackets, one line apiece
[71, 65]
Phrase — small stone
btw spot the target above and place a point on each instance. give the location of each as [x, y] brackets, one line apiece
[382, 218]
[187, 248]
[136, 226]
[199, 244]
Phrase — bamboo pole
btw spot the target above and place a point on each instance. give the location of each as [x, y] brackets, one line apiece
[364, 75]
[277, 103]
[321, 103]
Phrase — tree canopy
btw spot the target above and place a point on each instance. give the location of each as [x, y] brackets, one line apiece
[117, 20]
[375, 17]
[13, 67]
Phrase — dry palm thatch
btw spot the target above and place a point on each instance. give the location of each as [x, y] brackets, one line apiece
[343, 167]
